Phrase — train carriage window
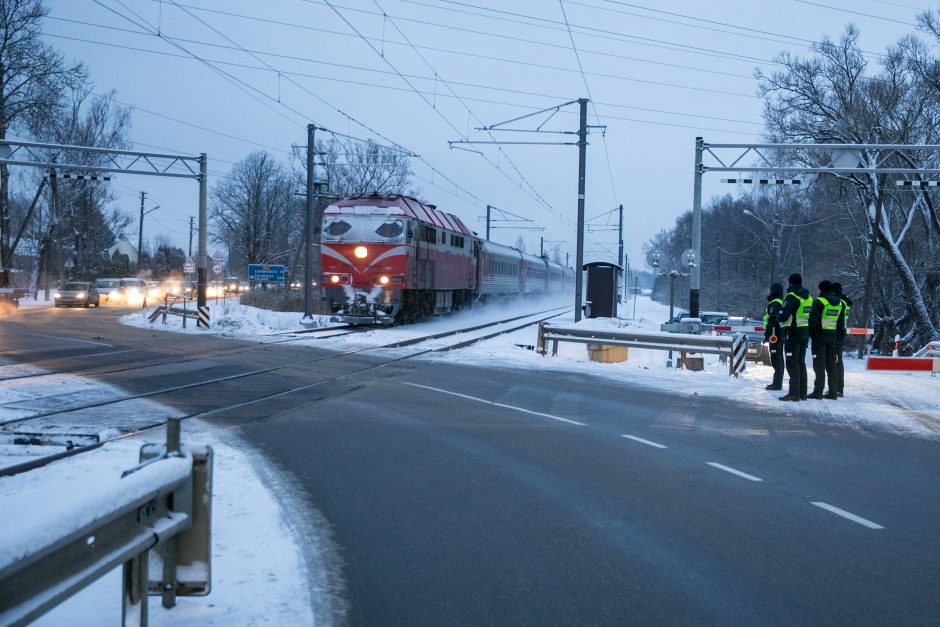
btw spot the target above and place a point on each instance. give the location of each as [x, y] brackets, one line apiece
[428, 235]
[334, 229]
[443, 238]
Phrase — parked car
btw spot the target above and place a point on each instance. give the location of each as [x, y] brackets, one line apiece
[707, 317]
[757, 351]
[77, 293]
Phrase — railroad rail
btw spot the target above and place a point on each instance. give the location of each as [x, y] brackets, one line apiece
[499, 327]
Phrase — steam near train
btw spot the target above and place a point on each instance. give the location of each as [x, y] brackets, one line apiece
[393, 259]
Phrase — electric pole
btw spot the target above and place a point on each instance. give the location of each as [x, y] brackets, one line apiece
[140, 230]
[620, 258]
[312, 261]
[582, 156]
[190, 255]
[488, 207]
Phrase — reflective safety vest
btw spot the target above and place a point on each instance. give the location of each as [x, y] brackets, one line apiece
[767, 310]
[802, 312]
[830, 314]
[846, 308]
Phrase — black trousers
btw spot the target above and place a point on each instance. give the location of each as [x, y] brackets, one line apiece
[824, 363]
[776, 361]
[795, 348]
[840, 365]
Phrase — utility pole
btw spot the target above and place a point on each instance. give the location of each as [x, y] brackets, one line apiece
[541, 246]
[582, 156]
[190, 254]
[620, 258]
[696, 270]
[202, 262]
[488, 207]
[775, 262]
[140, 229]
[314, 217]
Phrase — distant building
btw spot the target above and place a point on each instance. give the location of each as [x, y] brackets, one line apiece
[123, 246]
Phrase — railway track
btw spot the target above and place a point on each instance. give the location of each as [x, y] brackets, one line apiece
[20, 427]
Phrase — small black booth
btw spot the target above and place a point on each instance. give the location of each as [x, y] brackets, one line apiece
[603, 278]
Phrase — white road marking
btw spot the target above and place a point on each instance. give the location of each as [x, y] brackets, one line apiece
[841, 512]
[503, 405]
[642, 441]
[69, 339]
[734, 472]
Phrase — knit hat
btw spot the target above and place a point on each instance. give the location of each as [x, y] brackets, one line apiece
[776, 290]
[825, 285]
[837, 288]
[795, 279]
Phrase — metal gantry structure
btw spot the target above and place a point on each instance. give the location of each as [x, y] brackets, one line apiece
[582, 162]
[836, 159]
[63, 160]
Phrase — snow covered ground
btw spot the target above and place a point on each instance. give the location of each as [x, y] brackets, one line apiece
[899, 402]
[255, 544]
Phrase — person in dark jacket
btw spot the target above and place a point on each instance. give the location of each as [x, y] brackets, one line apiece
[826, 323]
[794, 319]
[840, 339]
[774, 334]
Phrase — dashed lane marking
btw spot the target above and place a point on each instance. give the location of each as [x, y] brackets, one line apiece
[503, 405]
[642, 441]
[841, 512]
[743, 475]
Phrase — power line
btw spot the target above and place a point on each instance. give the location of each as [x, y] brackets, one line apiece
[239, 82]
[424, 98]
[877, 17]
[402, 89]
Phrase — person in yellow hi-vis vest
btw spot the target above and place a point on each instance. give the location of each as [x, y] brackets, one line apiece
[826, 323]
[840, 339]
[795, 321]
[774, 334]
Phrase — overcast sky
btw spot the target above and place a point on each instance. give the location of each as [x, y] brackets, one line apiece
[227, 77]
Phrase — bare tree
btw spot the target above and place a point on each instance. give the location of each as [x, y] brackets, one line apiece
[834, 97]
[255, 213]
[355, 167]
[32, 78]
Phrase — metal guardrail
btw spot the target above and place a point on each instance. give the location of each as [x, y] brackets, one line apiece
[169, 307]
[931, 350]
[164, 503]
[734, 347]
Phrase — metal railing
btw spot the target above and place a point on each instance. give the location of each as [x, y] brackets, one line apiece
[169, 308]
[734, 347]
[164, 503]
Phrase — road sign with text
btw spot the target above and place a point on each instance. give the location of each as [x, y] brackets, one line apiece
[265, 272]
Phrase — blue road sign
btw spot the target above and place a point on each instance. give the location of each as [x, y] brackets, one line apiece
[265, 272]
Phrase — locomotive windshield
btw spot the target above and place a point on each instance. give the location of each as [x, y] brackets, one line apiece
[380, 229]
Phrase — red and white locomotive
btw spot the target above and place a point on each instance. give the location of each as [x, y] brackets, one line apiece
[393, 259]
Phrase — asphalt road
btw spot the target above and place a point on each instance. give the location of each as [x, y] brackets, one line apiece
[458, 495]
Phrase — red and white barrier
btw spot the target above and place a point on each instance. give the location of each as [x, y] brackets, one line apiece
[903, 364]
[859, 331]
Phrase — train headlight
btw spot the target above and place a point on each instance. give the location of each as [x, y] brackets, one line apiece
[383, 280]
[361, 252]
[334, 278]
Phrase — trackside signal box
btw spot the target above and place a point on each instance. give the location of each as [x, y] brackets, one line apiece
[602, 281]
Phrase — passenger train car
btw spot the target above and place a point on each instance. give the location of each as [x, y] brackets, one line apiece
[393, 259]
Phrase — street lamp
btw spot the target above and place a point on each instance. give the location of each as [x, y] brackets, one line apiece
[774, 243]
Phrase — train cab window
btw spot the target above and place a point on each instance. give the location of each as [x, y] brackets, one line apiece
[457, 241]
[443, 238]
[390, 230]
[334, 229]
[428, 235]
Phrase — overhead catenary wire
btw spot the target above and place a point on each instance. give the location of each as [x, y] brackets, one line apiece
[587, 87]
[149, 30]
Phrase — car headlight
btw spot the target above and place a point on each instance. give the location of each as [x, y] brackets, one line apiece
[56, 295]
[133, 291]
[80, 295]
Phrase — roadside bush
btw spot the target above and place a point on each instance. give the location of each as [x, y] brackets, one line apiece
[274, 299]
